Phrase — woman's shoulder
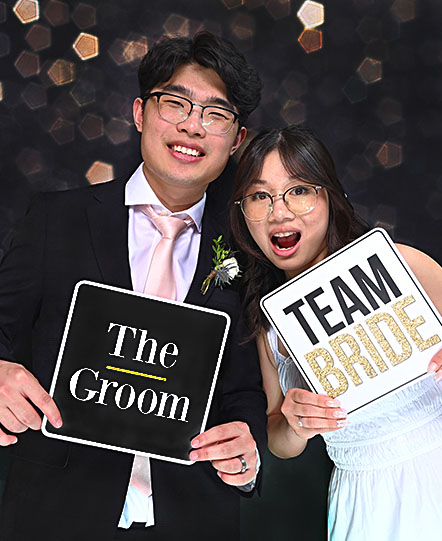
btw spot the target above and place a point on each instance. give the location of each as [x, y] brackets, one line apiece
[426, 270]
[417, 260]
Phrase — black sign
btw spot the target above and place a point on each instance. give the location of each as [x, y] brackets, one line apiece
[136, 373]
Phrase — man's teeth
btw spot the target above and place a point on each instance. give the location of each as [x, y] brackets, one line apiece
[185, 150]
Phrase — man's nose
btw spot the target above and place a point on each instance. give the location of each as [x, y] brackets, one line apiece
[193, 123]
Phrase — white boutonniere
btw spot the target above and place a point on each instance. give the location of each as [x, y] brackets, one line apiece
[225, 268]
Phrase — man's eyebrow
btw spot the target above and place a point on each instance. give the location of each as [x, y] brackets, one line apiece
[188, 93]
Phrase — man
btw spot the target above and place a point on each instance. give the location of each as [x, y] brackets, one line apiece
[194, 97]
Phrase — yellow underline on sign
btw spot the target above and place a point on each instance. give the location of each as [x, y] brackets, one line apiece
[134, 373]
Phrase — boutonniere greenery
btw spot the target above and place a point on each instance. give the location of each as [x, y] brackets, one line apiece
[225, 268]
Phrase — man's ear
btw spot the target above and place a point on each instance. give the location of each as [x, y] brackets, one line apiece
[239, 140]
[138, 113]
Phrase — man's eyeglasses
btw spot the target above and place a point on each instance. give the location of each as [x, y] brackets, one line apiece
[176, 109]
[299, 199]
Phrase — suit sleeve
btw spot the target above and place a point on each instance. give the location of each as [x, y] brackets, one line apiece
[243, 398]
[20, 283]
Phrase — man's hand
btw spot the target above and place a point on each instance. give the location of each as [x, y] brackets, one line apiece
[436, 365]
[222, 445]
[18, 391]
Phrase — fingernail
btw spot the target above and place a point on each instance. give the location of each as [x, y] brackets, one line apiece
[432, 368]
[58, 423]
[14, 441]
[194, 443]
[438, 376]
[333, 403]
[341, 424]
[193, 455]
[339, 414]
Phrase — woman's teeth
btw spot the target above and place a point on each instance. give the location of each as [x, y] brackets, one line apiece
[286, 240]
[185, 150]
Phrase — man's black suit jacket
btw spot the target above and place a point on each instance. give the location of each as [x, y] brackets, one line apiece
[58, 490]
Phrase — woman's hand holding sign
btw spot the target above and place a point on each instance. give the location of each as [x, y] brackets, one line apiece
[435, 365]
[19, 389]
[309, 414]
[223, 445]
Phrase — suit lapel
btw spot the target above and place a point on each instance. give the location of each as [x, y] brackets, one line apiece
[210, 230]
[108, 222]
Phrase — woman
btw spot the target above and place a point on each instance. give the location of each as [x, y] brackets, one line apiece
[387, 480]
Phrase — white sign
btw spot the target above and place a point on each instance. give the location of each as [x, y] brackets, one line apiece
[358, 325]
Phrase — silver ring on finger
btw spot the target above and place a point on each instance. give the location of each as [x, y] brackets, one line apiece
[243, 464]
[300, 422]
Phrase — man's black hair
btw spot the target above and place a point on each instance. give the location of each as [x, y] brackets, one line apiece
[242, 82]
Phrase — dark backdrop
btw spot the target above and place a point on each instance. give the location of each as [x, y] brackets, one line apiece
[372, 92]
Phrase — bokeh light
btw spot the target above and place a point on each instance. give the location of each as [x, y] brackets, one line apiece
[56, 13]
[232, 4]
[293, 112]
[84, 16]
[86, 46]
[370, 70]
[243, 26]
[176, 24]
[27, 11]
[30, 161]
[311, 14]
[62, 72]
[278, 8]
[295, 84]
[27, 64]
[91, 126]
[39, 37]
[311, 40]
[100, 172]
[35, 96]
[404, 10]
[118, 131]
[83, 93]
[62, 131]
[5, 45]
[390, 155]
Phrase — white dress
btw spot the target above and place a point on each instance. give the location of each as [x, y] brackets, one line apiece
[387, 480]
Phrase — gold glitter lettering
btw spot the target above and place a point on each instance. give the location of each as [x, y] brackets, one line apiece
[411, 324]
[373, 325]
[323, 373]
[369, 346]
[354, 358]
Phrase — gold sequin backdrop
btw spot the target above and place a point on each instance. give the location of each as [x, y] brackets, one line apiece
[364, 74]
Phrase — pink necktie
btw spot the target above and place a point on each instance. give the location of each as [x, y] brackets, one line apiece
[160, 282]
[160, 279]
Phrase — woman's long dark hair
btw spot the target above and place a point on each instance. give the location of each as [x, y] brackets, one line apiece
[304, 157]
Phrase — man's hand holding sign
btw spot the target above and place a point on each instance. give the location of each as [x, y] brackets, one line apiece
[20, 395]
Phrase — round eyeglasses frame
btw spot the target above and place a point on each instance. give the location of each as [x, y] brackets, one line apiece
[205, 125]
[272, 201]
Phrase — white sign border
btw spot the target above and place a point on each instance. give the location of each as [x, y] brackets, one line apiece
[60, 356]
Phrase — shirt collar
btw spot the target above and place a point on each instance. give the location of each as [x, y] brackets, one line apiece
[139, 192]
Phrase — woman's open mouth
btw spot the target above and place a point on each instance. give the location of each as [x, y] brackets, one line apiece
[285, 241]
